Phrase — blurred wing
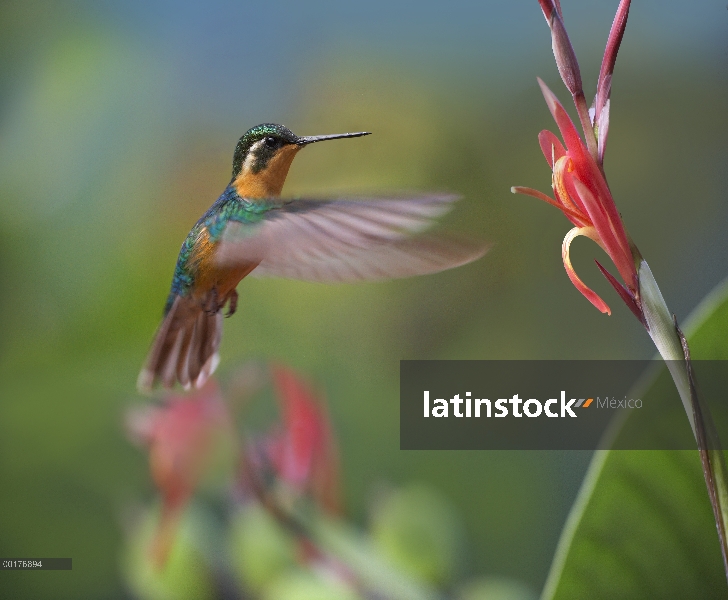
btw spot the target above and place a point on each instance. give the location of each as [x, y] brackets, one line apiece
[347, 240]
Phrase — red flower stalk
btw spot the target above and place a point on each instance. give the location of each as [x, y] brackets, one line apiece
[180, 436]
[297, 458]
[304, 454]
[582, 194]
[580, 188]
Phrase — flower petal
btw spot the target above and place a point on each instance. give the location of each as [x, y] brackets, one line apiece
[575, 217]
[571, 137]
[308, 457]
[611, 233]
[594, 191]
[590, 295]
[551, 147]
[624, 294]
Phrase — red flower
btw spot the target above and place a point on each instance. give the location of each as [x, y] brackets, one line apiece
[304, 453]
[180, 436]
[580, 188]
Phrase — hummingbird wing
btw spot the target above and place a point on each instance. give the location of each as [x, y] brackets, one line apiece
[346, 240]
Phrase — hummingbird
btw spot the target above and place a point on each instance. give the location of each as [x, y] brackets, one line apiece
[249, 229]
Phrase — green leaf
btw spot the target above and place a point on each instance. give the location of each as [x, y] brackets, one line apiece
[260, 548]
[185, 574]
[495, 588]
[417, 531]
[376, 574]
[308, 585]
[642, 525]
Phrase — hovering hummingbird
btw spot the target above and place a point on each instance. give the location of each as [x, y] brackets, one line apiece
[250, 229]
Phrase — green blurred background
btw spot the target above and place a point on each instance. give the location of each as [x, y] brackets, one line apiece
[117, 125]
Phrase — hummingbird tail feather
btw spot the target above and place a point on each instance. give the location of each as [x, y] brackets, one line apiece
[184, 348]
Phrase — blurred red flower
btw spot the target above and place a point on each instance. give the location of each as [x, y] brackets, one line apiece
[180, 436]
[304, 452]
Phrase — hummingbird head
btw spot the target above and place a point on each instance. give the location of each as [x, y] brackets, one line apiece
[263, 156]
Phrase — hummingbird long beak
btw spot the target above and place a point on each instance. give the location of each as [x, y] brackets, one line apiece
[310, 139]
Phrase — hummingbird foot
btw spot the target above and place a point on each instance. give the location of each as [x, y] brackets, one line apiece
[232, 303]
[212, 304]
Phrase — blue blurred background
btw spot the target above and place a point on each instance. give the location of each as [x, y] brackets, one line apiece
[117, 126]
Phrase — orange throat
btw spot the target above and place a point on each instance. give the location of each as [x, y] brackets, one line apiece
[268, 182]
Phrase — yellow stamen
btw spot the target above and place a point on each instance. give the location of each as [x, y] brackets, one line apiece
[562, 166]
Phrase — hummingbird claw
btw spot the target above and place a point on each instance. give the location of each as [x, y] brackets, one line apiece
[232, 303]
[212, 305]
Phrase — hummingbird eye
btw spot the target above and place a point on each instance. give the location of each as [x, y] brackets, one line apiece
[270, 142]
